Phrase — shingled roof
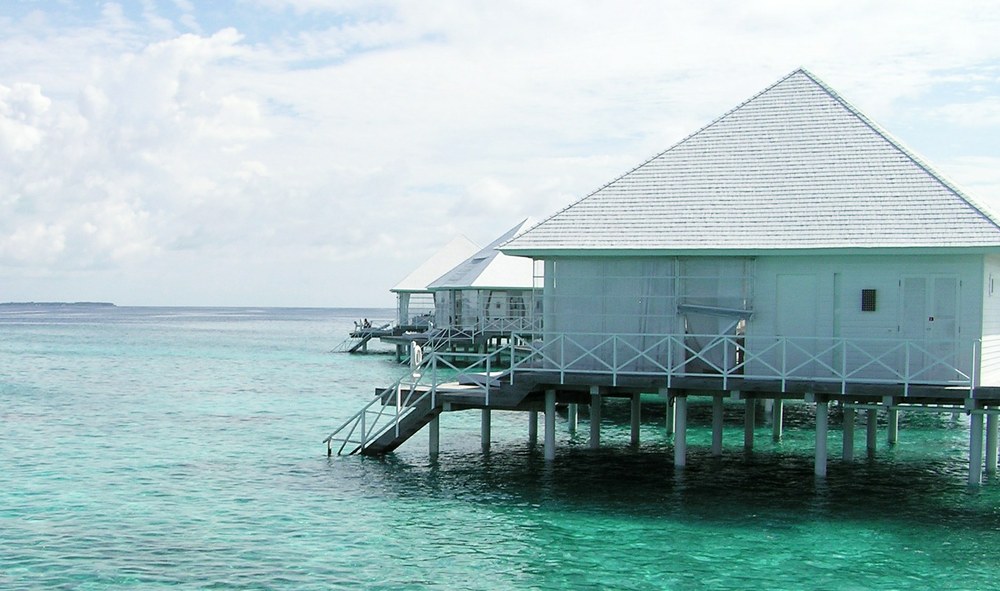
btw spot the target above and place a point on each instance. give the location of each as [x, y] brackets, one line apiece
[491, 269]
[794, 168]
[450, 255]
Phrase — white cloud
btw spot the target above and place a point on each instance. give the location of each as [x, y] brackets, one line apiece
[36, 242]
[984, 112]
[334, 145]
[21, 109]
[979, 176]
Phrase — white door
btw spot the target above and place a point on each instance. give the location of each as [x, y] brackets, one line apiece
[795, 320]
[929, 322]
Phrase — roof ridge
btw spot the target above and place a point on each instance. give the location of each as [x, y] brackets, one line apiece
[484, 257]
[661, 153]
[896, 143]
[840, 137]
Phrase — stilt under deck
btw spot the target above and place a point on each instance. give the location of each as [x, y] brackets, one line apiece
[405, 409]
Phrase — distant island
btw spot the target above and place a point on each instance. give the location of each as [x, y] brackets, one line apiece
[59, 304]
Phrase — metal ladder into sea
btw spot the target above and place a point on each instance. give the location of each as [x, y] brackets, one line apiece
[351, 344]
[358, 339]
[440, 382]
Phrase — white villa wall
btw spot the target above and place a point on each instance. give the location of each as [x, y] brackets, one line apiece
[414, 308]
[834, 285]
[637, 297]
[506, 310]
[613, 296]
[483, 309]
[881, 272]
[592, 297]
[990, 363]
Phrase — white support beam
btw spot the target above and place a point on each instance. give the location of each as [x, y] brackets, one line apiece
[849, 434]
[595, 417]
[991, 444]
[822, 424]
[893, 434]
[976, 449]
[550, 424]
[717, 420]
[777, 419]
[749, 423]
[671, 410]
[680, 435]
[871, 443]
[486, 433]
[434, 436]
[572, 416]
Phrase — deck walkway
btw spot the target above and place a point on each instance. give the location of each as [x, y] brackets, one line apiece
[442, 384]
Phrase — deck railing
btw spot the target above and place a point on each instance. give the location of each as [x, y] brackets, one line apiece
[388, 410]
[511, 324]
[839, 361]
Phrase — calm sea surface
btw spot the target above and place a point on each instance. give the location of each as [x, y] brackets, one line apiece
[143, 448]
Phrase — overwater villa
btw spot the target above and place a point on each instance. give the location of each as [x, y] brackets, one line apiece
[414, 301]
[789, 250]
[490, 295]
[415, 309]
[476, 304]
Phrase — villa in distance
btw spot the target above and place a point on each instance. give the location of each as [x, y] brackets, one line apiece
[791, 249]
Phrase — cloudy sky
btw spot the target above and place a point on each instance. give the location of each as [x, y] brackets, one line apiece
[312, 152]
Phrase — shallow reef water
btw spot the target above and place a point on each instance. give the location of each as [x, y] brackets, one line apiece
[181, 448]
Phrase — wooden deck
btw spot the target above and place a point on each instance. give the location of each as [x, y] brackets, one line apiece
[417, 401]
[789, 389]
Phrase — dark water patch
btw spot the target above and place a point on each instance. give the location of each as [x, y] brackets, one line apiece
[781, 487]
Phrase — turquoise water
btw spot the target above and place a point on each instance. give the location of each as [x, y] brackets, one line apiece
[146, 448]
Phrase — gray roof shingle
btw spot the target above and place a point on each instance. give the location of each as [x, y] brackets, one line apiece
[489, 268]
[795, 167]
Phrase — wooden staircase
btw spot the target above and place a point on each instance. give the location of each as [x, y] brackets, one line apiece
[420, 414]
[396, 413]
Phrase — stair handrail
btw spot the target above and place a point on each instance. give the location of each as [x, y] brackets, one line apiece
[373, 431]
[345, 344]
[411, 380]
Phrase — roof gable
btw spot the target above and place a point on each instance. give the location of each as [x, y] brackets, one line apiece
[490, 268]
[795, 167]
[450, 255]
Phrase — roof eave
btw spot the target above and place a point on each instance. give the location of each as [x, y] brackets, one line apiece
[543, 253]
[482, 287]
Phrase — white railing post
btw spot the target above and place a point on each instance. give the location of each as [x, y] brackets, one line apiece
[843, 366]
[725, 363]
[670, 362]
[614, 360]
[784, 361]
[562, 359]
[399, 404]
[975, 366]
[488, 378]
[906, 369]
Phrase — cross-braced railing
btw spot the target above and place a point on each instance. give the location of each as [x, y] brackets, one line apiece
[511, 324]
[839, 361]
